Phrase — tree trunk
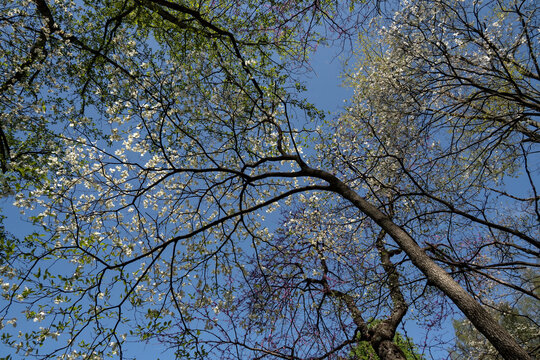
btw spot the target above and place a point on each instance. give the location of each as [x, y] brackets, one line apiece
[381, 340]
[388, 350]
[505, 344]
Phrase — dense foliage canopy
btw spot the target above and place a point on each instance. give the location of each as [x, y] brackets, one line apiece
[186, 194]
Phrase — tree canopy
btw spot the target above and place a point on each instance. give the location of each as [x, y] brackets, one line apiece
[187, 194]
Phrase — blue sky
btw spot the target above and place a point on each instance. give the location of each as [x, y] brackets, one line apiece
[325, 90]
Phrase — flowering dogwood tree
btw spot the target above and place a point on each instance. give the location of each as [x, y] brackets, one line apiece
[150, 140]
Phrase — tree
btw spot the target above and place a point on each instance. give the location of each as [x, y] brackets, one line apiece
[176, 125]
[365, 351]
[519, 317]
[453, 81]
